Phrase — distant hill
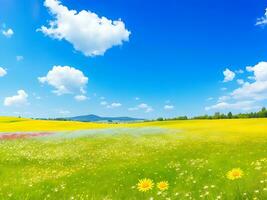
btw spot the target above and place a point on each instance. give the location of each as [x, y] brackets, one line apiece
[95, 118]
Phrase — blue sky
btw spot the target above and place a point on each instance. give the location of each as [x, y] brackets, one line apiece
[165, 58]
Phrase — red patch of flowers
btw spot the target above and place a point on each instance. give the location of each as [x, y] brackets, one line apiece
[12, 136]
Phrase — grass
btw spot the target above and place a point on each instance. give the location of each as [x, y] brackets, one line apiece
[193, 156]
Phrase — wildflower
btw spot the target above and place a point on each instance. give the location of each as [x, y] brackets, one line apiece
[163, 185]
[145, 184]
[234, 174]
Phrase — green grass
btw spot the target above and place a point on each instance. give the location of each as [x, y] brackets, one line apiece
[193, 156]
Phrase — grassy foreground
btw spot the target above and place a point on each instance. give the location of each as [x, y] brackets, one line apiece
[193, 156]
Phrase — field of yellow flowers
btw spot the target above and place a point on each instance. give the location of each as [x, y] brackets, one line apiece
[194, 159]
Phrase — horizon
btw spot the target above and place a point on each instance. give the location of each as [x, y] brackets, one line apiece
[195, 58]
[195, 117]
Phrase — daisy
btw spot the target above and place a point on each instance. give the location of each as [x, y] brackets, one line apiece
[234, 174]
[163, 185]
[145, 184]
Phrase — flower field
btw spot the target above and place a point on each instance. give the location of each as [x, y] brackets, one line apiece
[194, 159]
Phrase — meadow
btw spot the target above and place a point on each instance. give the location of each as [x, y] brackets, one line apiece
[194, 159]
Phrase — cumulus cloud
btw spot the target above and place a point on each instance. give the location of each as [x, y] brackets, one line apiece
[256, 90]
[114, 105]
[8, 33]
[86, 31]
[228, 75]
[249, 93]
[223, 98]
[80, 97]
[65, 80]
[168, 107]
[262, 20]
[143, 106]
[17, 100]
[3, 72]
[240, 105]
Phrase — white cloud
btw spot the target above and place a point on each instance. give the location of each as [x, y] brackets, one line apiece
[262, 20]
[19, 58]
[228, 75]
[240, 105]
[210, 99]
[168, 107]
[259, 70]
[114, 105]
[249, 94]
[3, 72]
[65, 80]
[8, 33]
[149, 109]
[20, 99]
[143, 106]
[80, 97]
[223, 89]
[223, 98]
[256, 90]
[137, 98]
[240, 81]
[36, 96]
[251, 78]
[103, 103]
[85, 30]
[240, 71]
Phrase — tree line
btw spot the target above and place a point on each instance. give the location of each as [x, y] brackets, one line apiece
[217, 115]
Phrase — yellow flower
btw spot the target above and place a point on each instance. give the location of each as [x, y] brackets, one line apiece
[163, 185]
[234, 174]
[145, 184]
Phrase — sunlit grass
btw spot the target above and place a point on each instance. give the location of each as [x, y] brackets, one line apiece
[193, 157]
